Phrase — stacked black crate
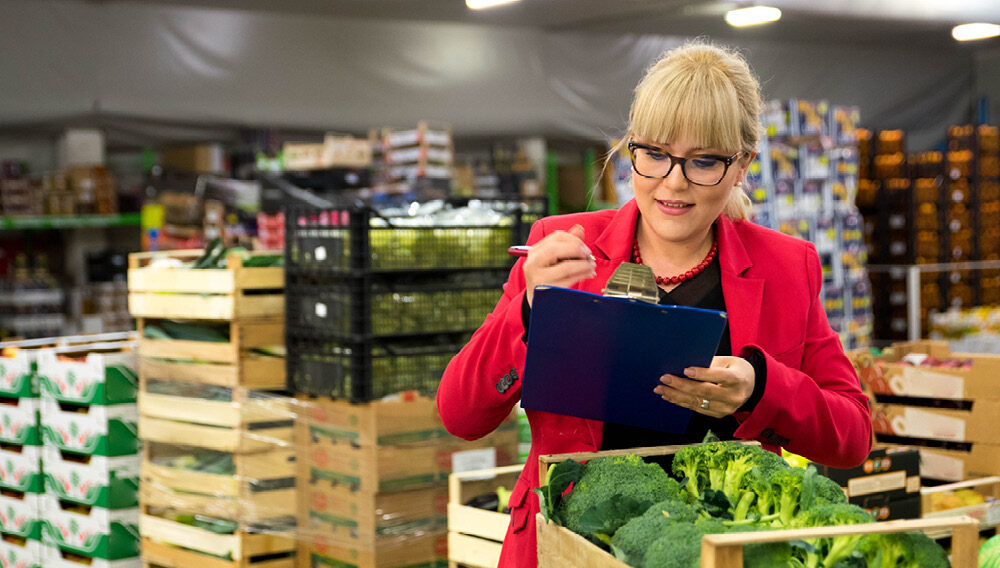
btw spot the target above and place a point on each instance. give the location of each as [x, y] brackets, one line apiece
[960, 287]
[987, 211]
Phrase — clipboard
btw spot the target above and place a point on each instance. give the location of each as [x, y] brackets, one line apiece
[599, 357]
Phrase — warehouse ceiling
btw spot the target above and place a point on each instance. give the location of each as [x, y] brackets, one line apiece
[858, 22]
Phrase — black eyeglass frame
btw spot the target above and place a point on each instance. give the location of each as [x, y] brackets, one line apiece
[674, 160]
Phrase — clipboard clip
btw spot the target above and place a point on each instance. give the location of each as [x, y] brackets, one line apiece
[634, 282]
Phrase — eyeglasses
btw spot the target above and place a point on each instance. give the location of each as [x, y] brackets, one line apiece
[654, 163]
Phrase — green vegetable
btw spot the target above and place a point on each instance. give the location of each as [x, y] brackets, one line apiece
[213, 252]
[902, 550]
[679, 546]
[630, 542]
[829, 551]
[989, 553]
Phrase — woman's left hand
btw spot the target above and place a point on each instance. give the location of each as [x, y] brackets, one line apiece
[726, 385]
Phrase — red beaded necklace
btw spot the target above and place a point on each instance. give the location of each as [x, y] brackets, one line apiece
[680, 277]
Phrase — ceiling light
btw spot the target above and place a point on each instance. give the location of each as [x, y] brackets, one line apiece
[752, 16]
[480, 4]
[970, 32]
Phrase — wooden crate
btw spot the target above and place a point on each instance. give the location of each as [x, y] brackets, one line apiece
[204, 294]
[988, 513]
[559, 546]
[243, 337]
[475, 536]
[161, 538]
[222, 439]
[242, 411]
[222, 495]
[424, 550]
[249, 372]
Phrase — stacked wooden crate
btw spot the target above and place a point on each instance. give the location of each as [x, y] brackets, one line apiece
[373, 480]
[218, 468]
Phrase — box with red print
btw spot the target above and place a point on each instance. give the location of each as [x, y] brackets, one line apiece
[100, 374]
[19, 421]
[21, 514]
[92, 430]
[17, 552]
[21, 468]
[90, 531]
[97, 481]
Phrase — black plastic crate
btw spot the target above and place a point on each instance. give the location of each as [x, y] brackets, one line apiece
[368, 370]
[389, 305]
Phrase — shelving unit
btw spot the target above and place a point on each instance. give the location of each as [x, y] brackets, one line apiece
[56, 222]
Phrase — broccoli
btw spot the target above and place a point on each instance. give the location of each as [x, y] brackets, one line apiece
[610, 491]
[829, 551]
[828, 492]
[769, 555]
[679, 546]
[634, 537]
[788, 490]
[902, 550]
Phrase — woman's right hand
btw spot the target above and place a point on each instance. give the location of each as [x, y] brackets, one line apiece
[560, 259]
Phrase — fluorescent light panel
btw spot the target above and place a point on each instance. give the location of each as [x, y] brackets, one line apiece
[752, 16]
[970, 32]
[481, 4]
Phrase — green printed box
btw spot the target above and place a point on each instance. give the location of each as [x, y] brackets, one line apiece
[90, 531]
[17, 375]
[97, 377]
[21, 468]
[98, 481]
[16, 552]
[55, 558]
[93, 430]
[19, 421]
[21, 514]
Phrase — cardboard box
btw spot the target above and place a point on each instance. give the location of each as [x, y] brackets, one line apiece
[201, 158]
[17, 376]
[19, 422]
[97, 481]
[93, 430]
[891, 509]
[382, 423]
[21, 468]
[888, 375]
[976, 425]
[21, 514]
[80, 147]
[889, 473]
[102, 377]
[54, 558]
[100, 533]
[981, 460]
[21, 553]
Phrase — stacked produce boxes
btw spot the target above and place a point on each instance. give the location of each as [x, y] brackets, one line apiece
[376, 306]
[68, 463]
[218, 471]
[929, 208]
[421, 157]
[90, 458]
[802, 183]
[940, 402]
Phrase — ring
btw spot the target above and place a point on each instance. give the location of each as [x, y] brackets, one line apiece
[704, 404]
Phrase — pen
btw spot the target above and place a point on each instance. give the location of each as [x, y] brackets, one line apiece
[522, 250]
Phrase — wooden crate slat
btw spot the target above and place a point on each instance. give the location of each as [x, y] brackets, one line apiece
[221, 439]
[205, 307]
[259, 334]
[233, 414]
[167, 531]
[193, 350]
[245, 508]
[477, 522]
[260, 373]
[473, 552]
[191, 481]
[179, 280]
[158, 554]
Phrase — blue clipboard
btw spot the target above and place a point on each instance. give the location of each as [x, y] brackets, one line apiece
[600, 357]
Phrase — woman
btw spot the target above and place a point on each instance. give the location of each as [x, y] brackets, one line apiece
[780, 375]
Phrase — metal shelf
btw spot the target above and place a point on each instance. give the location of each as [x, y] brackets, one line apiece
[57, 222]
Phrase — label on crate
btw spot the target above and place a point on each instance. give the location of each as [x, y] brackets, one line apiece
[100, 430]
[936, 466]
[21, 554]
[474, 460]
[93, 531]
[21, 515]
[916, 423]
[21, 468]
[880, 483]
[919, 382]
[19, 421]
[16, 377]
[111, 483]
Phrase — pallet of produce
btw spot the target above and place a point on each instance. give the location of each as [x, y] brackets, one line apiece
[207, 432]
[92, 430]
[92, 480]
[369, 520]
[928, 369]
[19, 421]
[225, 354]
[18, 552]
[21, 468]
[212, 405]
[210, 284]
[90, 531]
[179, 540]
[975, 498]
[21, 514]
[478, 515]
[102, 374]
[249, 487]
[616, 509]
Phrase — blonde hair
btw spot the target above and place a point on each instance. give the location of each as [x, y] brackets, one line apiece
[705, 93]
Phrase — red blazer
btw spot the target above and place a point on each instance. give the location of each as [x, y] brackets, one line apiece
[812, 404]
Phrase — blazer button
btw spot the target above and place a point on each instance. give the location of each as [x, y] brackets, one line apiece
[500, 387]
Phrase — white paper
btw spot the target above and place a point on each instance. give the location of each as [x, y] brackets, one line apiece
[474, 460]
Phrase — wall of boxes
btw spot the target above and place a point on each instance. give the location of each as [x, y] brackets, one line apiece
[930, 208]
[803, 183]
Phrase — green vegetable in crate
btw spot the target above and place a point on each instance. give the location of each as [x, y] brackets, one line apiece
[213, 253]
[989, 553]
[828, 552]
[634, 537]
[496, 501]
[902, 550]
[679, 545]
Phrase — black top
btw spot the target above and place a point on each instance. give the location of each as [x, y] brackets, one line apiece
[702, 291]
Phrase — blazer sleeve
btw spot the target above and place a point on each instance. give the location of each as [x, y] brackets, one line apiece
[483, 382]
[818, 410]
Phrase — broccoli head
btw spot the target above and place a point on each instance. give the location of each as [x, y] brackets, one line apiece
[613, 490]
[830, 551]
[679, 546]
[633, 539]
[769, 555]
[828, 492]
[902, 550]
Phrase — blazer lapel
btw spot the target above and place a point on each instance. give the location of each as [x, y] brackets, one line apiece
[744, 296]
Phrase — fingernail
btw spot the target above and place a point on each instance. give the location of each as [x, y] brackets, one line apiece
[689, 372]
[665, 379]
